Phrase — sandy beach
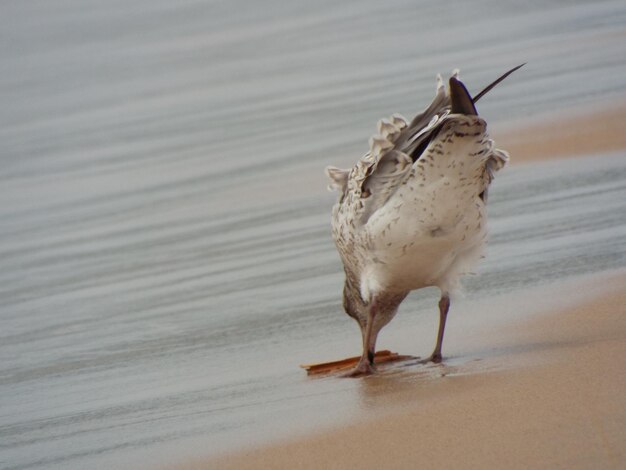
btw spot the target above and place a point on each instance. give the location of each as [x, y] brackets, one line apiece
[560, 403]
[548, 393]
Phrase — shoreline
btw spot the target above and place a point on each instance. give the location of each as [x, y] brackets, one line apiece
[552, 396]
[568, 133]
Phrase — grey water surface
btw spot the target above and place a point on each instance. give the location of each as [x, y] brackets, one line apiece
[166, 260]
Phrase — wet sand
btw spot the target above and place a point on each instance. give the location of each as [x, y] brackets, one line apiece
[566, 134]
[560, 405]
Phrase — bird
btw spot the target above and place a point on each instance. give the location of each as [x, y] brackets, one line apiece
[411, 213]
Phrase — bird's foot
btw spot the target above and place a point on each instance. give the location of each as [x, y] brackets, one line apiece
[363, 368]
[435, 358]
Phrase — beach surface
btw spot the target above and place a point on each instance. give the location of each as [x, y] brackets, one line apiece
[549, 393]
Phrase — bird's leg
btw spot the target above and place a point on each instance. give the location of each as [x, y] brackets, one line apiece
[366, 363]
[444, 306]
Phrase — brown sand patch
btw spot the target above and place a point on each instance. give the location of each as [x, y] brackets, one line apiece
[562, 136]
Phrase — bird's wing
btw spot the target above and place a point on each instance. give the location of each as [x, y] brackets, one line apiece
[389, 172]
[398, 144]
[393, 150]
[415, 138]
[496, 161]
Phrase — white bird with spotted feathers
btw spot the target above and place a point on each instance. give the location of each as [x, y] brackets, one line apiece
[411, 212]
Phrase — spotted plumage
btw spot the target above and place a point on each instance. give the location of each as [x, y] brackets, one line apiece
[411, 212]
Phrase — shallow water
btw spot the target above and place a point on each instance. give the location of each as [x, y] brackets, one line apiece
[164, 227]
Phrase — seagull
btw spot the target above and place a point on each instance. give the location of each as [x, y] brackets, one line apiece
[412, 211]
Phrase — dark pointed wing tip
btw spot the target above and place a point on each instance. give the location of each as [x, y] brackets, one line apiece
[460, 98]
[495, 82]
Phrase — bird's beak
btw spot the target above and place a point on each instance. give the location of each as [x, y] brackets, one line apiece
[462, 102]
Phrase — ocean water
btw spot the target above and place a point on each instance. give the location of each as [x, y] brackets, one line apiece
[164, 223]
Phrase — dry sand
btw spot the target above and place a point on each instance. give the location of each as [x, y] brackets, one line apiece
[561, 403]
